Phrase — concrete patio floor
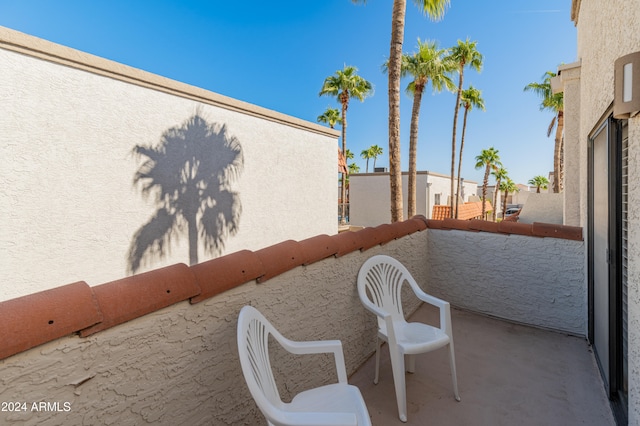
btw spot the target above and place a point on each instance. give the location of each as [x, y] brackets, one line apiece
[508, 374]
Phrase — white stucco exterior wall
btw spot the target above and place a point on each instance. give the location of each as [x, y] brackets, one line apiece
[68, 127]
[545, 208]
[369, 195]
[605, 33]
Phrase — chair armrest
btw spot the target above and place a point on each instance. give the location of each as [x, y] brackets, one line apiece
[318, 347]
[443, 306]
[427, 298]
[374, 309]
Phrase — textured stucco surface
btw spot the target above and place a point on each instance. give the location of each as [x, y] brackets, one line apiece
[179, 365]
[537, 281]
[605, 33]
[544, 208]
[574, 151]
[66, 167]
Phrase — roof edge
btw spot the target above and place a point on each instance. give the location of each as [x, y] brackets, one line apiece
[25, 44]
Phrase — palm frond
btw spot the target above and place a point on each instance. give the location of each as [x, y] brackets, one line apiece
[220, 218]
[435, 9]
[152, 239]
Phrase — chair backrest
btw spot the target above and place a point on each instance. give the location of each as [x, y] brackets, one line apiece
[380, 281]
[253, 349]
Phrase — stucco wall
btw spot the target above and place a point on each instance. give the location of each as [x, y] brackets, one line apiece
[538, 281]
[179, 365]
[369, 195]
[606, 33]
[545, 208]
[69, 125]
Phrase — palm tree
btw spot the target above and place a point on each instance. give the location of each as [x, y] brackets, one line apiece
[344, 85]
[507, 186]
[539, 182]
[375, 152]
[464, 54]
[470, 98]
[427, 64]
[349, 155]
[499, 173]
[555, 103]
[331, 117]
[189, 172]
[435, 10]
[366, 154]
[489, 159]
[354, 168]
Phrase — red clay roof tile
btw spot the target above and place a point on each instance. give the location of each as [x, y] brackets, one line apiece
[132, 297]
[38, 318]
[223, 273]
[279, 258]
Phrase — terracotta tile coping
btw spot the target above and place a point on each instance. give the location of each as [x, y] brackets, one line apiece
[32, 320]
[535, 229]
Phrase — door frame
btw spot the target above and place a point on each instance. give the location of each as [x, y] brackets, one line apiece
[614, 141]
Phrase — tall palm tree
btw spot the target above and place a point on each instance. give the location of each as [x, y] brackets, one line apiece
[366, 154]
[428, 64]
[375, 152]
[189, 173]
[554, 103]
[539, 182]
[488, 159]
[464, 54]
[469, 99]
[499, 173]
[435, 10]
[331, 117]
[344, 85]
[508, 186]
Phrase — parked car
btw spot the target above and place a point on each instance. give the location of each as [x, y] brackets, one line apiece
[511, 211]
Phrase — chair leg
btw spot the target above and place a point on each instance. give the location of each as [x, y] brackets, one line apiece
[377, 376]
[454, 377]
[411, 365]
[397, 365]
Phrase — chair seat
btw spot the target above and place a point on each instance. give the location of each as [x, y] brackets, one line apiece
[334, 398]
[415, 338]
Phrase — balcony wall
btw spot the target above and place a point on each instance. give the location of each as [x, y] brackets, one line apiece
[531, 280]
[147, 359]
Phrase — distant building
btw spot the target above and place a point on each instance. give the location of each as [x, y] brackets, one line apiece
[369, 195]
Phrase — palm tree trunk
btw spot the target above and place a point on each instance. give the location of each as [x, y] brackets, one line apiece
[453, 137]
[343, 195]
[193, 239]
[464, 128]
[504, 203]
[485, 183]
[557, 151]
[413, 150]
[367, 165]
[395, 55]
[496, 191]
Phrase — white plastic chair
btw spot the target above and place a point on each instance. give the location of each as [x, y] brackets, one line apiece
[335, 404]
[380, 283]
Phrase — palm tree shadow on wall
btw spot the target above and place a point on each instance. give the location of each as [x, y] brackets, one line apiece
[189, 173]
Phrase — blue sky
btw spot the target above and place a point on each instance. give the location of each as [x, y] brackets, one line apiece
[277, 54]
